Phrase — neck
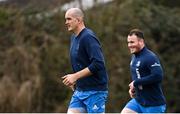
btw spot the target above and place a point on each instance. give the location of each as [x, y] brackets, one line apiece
[142, 46]
[79, 29]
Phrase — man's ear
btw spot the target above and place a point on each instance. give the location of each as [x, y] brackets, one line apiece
[142, 41]
[79, 19]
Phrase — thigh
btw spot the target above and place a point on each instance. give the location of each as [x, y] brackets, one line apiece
[132, 107]
[154, 109]
[76, 105]
[95, 103]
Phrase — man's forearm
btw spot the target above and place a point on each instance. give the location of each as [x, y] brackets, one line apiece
[83, 73]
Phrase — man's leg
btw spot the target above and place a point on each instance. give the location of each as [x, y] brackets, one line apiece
[76, 105]
[127, 110]
[131, 107]
[76, 110]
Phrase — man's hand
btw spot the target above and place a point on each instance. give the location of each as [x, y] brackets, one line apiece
[69, 80]
[132, 93]
[132, 90]
[131, 85]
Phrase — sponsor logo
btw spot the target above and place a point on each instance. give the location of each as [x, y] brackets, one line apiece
[103, 106]
[138, 63]
[155, 64]
[95, 107]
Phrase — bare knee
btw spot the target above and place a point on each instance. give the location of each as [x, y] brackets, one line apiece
[127, 110]
[75, 110]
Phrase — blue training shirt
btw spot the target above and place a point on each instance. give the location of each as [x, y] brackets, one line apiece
[85, 51]
[147, 73]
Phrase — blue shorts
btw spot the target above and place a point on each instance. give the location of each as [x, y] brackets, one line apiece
[89, 101]
[135, 106]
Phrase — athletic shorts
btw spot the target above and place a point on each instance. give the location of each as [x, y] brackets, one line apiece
[89, 101]
[135, 106]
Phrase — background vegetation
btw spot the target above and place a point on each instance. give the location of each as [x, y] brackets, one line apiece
[34, 50]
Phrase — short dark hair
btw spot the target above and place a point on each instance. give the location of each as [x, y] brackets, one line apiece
[137, 32]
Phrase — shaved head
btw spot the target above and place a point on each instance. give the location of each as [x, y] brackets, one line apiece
[75, 12]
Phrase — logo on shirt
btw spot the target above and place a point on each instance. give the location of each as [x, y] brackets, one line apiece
[138, 63]
[155, 64]
[95, 107]
[103, 106]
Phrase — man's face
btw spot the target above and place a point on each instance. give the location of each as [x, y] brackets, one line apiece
[71, 22]
[134, 44]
